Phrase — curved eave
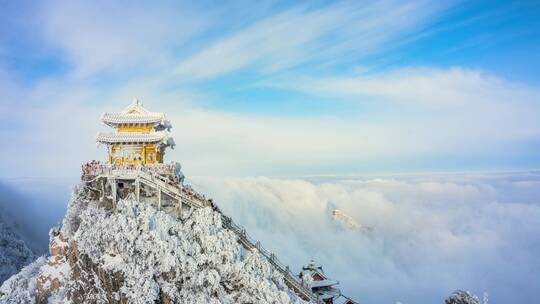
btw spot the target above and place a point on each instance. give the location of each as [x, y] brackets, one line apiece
[323, 283]
[131, 138]
[115, 119]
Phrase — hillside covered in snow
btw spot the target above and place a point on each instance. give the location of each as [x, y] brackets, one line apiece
[138, 254]
[14, 253]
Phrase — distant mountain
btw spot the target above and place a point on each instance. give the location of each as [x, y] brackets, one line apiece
[14, 254]
[16, 250]
[348, 222]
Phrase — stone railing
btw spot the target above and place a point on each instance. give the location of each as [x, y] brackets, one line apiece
[97, 168]
[249, 243]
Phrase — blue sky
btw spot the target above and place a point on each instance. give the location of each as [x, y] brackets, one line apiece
[280, 88]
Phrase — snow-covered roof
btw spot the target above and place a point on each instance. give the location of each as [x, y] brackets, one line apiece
[343, 300]
[323, 283]
[313, 266]
[132, 137]
[313, 270]
[329, 294]
[122, 118]
[135, 113]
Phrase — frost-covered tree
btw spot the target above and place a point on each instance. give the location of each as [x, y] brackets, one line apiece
[138, 253]
[14, 254]
[462, 297]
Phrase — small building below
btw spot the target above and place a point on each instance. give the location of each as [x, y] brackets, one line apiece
[313, 276]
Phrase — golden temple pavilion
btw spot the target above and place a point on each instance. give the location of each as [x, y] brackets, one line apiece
[141, 136]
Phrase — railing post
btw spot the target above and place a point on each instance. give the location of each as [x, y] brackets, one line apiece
[159, 197]
[137, 188]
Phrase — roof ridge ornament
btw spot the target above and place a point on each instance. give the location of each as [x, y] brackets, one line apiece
[135, 108]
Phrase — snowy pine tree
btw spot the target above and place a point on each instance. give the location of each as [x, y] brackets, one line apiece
[462, 297]
[14, 254]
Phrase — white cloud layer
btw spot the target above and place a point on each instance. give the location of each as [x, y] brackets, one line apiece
[432, 233]
[456, 112]
[442, 108]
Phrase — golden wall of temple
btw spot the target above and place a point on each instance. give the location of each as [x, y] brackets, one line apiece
[132, 154]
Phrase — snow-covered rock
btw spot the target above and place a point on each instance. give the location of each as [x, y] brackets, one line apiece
[138, 254]
[462, 297]
[347, 222]
[22, 288]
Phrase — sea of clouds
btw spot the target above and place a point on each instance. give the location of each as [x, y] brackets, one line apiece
[432, 233]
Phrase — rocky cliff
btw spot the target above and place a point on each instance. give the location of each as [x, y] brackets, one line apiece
[134, 253]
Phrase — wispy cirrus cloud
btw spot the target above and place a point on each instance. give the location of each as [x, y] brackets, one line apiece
[108, 36]
[303, 34]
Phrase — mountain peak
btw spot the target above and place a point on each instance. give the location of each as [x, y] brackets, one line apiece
[139, 254]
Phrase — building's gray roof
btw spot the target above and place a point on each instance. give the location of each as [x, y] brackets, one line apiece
[135, 113]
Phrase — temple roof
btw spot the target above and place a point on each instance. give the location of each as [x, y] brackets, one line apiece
[343, 300]
[121, 118]
[135, 113]
[132, 137]
[314, 268]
